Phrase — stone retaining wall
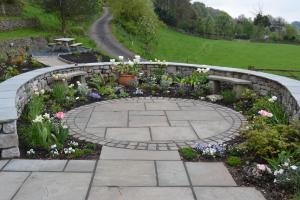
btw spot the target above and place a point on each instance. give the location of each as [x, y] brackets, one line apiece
[15, 92]
[13, 24]
[34, 44]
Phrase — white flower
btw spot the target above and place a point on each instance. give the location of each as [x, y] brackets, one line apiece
[77, 98]
[278, 172]
[137, 57]
[31, 152]
[38, 119]
[294, 167]
[112, 60]
[275, 181]
[136, 61]
[273, 99]
[53, 146]
[46, 116]
[130, 63]
[286, 164]
[121, 58]
[42, 91]
[37, 93]
[78, 83]
[73, 143]
[71, 85]
[65, 126]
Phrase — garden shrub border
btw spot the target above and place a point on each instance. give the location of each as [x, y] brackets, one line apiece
[17, 91]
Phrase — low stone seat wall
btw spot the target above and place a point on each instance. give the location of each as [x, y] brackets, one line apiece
[16, 92]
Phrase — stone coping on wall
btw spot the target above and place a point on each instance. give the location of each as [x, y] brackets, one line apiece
[9, 88]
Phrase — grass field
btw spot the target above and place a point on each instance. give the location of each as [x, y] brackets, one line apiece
[179, 47]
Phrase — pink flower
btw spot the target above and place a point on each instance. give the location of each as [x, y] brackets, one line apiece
[60, 115]
[264, 113]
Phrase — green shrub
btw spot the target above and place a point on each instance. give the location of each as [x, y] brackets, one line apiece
[188, 153]
[246, 101]
[265, 141]
[229, 96]
[233, 161]
[91, 146]
[81, 152]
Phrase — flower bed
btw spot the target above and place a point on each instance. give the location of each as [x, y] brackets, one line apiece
[267, 153]
[86, 57]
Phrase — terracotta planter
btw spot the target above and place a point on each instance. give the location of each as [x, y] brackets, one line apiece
[126, 79]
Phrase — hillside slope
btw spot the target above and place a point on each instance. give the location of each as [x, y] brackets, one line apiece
[179, 47]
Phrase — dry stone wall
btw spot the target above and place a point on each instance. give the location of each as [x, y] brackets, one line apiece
[16, 92]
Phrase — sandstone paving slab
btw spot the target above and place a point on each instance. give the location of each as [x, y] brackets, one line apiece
[10, 182]
[205, 129]
[147, 113]
[173, 133]
[85, 113]
[171, 173]
[147, 121]
[209, 174]
[141, 193]
[80, 166]
[120, 106]
[129, 134]
[100, 132]
[35, 165]
[51, 185]
[227, 193]
[198, 108]
[180, 123]
[109, 153]
[3, 163]
[162, 106]
[125, 173]
[108, 119]
[193, 115]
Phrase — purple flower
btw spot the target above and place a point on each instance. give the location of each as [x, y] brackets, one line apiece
[210, 150]
[95, 95]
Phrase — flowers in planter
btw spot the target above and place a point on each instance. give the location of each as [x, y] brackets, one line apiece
[95, 96]
[264, 113]
[203, 70]
[69, 150]
[210, 150]
[60, 115]
[273, 99]
[263, 168]
[54, 150]
[30, 152]
[138, 91]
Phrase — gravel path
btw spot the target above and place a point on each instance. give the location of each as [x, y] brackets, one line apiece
[101, 33]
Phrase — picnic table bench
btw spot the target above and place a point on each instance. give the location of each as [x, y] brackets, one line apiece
[238, 84]
[61, 43]
[76, 45]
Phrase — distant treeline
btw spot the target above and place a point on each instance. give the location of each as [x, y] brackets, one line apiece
[196, 18]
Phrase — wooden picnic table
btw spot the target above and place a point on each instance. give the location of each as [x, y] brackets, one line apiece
[63, 42]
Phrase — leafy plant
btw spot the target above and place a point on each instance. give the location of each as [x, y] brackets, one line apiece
[248, 97]
[188, 153]
[229, 96]
[233, 161]
[264, 141]
[97, 82]
[35, 107]
[59, 92]
[277, 110]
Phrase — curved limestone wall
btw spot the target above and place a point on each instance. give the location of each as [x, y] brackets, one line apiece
[15, 92]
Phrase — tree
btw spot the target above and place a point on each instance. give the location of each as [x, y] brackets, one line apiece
[262, 20]
[224, 25]
[291, 33]
[138, 18]
[72, 9]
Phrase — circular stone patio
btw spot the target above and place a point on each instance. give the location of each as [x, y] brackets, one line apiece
[153, 123]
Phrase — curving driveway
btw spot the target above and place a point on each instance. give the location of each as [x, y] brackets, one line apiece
[101, 33]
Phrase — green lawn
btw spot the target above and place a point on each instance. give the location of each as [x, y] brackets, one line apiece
[23, 33]
[179, 47]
